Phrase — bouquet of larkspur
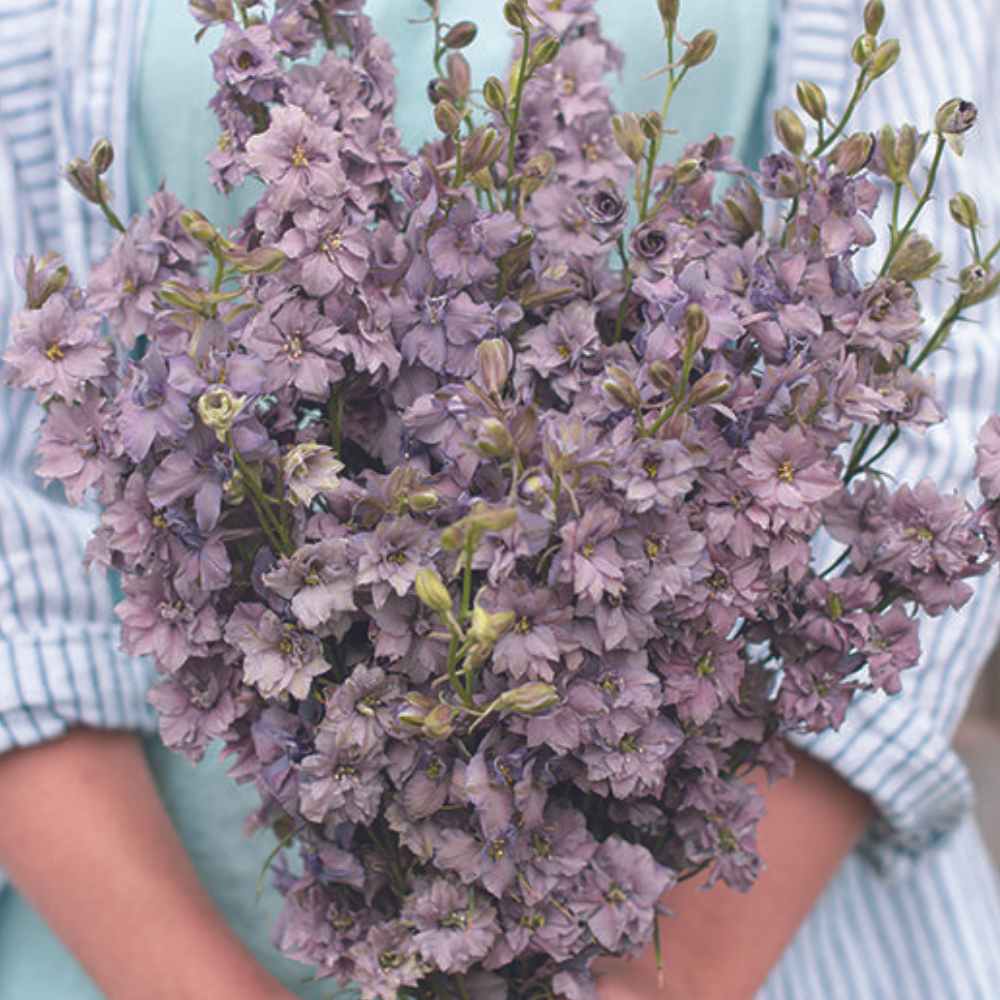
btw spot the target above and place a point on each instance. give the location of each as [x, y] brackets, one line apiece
[477, 510]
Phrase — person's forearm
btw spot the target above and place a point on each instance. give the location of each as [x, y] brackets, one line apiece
[722, 944]
[86, 840]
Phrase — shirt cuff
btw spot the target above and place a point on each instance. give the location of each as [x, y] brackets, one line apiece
[890, 749]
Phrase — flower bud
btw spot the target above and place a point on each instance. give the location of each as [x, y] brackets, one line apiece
[446, 117]
[262, 260]
[977, 284]
[543, 53]
[619, 386]
[492, 519]
[908, 146]
[514, 14]
[688, 171]
[83, 179]
[916, 259]
[102, 155]
[528, 699]
[459, 76]
[431, 591]
[495, 358]
[696, 326]
[415, 709]
[486, 627]
[964, 210]
[955, 117]
[494, 440]
[536, 171]
[854, 152]
[494, 95]
[699, 49]
[812, 99]
[662, 376]
[884, 58]
[460, 35]
[218, 409]
[651, 124]
[42, 279]
[709, 388]
[874, 16]
[790, 131]
[197, 226]
[630, 135]
[439, 723]
[422, 501]
[482, 149]
[863, 49]
[669, 12]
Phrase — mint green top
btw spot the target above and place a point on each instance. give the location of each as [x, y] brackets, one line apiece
[173, 130]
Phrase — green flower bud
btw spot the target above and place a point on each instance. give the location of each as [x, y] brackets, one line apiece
[874, 16]
[790, 131]
[494, 440]
[812, 99]
[485, 628]
[422, 501]
[514, 14]
[536, 171]
[651, 124]
[669, 12]
[543, 53]
[696, 326]
[197, 226]
[915, 260]
[863, 49]
[482, 149]
[263, 260]
[964, 210]
[102, 155]
[494, 95]
[439, 722]
[416, 709]
[699, 49]
[619, 386]
[218, 409]
[446, 117]
[460, 35]
[977, 284]
[747, 215]
[431, 591]
[688, 171]
[662, 376]
[492, 519]
[459, 76]
[528, 699]
[853, 153]
[630, 135]
[884, 58]
[82, 177]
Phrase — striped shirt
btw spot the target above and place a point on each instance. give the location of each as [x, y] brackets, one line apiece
[914, 912]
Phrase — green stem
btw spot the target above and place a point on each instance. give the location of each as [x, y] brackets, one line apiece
[515, 117]
[897, 192]
[976, 251]
[859, 89]
[657, 144]
[917, 209]
[109, 214]
[271, 525]
[629, 278]
[323, 15]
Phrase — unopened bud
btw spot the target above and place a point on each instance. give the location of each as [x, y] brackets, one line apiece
[197, 226]
[964, 210]
[630, 135]
[543, 53]
[102, 155]
[874, 16]
[812, 99]
[528, 699]
[42, 280]
[977, 284]
[863, 49]
[422, 501]
[908, 146]
[955, 117]
[661, 375]
[492, 519]
[459, 76]
[884, 58]
[854, 152]
[688, 171]
[439, 722]
[790, 131]
[536, 171]
[651, 124]
[83, 179]
[431, 591]
[495, 358]
[669, 12]
[696, 326]
[461, 35]
[482, 149]
[494, 440]
[494, 95]
[485, 628]
[514, 15]
[620, 386]
[700, 49]
[262, 260]
[415, 709]
[915, 260]
[446, 117]
[709, 388]
[218, 409]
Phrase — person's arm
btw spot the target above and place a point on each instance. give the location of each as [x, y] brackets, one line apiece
[721, 944]
[87, 842]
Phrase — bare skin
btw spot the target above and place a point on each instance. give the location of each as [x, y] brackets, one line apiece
[722, 944]
[95, 853]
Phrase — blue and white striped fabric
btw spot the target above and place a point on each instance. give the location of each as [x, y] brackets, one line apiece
[63, 67]
[912, 915]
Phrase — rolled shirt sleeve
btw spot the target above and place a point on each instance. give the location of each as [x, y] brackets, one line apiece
[897, 750]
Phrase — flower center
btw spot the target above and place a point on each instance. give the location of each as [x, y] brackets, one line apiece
[651, 468]
[54, 352]
[652, 548]
[299, 158]
[523, 626]
[587, 550]
[786, 473]
[332, 242]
